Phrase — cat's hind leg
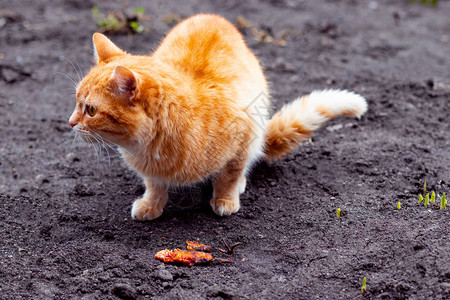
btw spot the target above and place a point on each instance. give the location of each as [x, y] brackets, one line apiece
[227, 185]
[152, 203]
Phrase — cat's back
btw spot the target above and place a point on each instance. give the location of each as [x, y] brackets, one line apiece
[209, 47]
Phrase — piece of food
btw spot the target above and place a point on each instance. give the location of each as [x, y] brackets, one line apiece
[194, 245]
[187, 257]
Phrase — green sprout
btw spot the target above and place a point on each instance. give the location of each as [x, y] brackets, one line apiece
[363, 288]
[399, 205]
[139, 11]
[338, 213]
[433, 197]
[427, 2]
[443, 201]
[427, 200]
[107, 23]
[425, 187]
[95, 12]
[119, 21]
[137, 27]
[420, 198]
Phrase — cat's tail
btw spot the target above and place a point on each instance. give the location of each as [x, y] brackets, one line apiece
[296, 121]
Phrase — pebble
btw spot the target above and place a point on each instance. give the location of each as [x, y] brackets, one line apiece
[72, 157]
[124, 291]
[410, 106]
[164, 275]
[41, 178]
[335, 127]
[295, 78]
[282, 65]
[10, 76]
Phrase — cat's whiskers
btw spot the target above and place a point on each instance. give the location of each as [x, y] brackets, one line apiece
[70, 92]
[68, 135]
[101, 143]
[110, 144]
[106, 146]
[79, 68]
[75, 137]
[76, 70]
[88, 137]
[67, 76]
[97, 153]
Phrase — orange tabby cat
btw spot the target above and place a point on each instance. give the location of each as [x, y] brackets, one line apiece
[196, 108]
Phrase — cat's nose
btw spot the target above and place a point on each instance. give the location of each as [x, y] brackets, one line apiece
[73, 121]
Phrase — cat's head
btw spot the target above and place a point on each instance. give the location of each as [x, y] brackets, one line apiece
[109, 99]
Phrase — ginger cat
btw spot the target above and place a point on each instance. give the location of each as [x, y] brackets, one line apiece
[196, 108]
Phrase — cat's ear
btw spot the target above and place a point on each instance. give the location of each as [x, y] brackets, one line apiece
[123, 83]
[104, 48]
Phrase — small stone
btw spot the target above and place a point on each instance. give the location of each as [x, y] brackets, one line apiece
[410, 106]
[278, 278]
[335, 127]
[41, 178]
[72, 157]
[295, 78]
[281, 64]
[164, 275]
[10, 76]
[373, 5]
[124, 291]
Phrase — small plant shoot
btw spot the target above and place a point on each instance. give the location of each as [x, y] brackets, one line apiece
[338, 213]
[426, 2]
[433, 197]
[426, 202]
[443, 201]
[428, 198]
[399, 205]
[119, 21]
[420, 198]
[363, 288]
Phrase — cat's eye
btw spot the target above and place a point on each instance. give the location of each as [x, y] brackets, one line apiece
[91, 110]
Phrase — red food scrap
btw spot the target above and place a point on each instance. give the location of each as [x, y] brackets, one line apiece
[187, 257]
[194, 245]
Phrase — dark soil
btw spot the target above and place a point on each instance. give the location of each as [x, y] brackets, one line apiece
[65, 225]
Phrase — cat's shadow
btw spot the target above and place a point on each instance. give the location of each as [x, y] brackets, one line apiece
[198, 196]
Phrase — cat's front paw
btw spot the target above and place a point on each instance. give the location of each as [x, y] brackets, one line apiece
[225, 207]
[143, 210]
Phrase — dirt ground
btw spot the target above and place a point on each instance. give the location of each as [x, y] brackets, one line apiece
[65, 225]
